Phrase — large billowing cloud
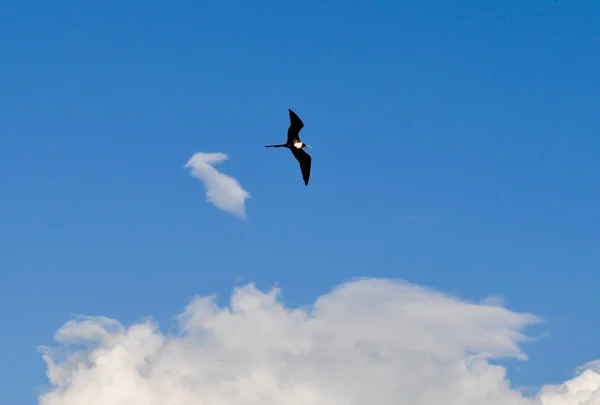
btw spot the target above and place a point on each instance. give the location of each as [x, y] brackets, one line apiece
[367, 342]
[222, 191]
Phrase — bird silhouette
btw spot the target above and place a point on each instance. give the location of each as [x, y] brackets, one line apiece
[294, 144]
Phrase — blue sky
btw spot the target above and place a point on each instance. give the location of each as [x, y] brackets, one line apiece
[455, 145]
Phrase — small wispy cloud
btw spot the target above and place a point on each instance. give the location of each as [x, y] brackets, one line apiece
[223, 191]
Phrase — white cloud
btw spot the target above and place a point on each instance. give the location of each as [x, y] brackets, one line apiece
[584, 389]
[367, 342]
[222, 191]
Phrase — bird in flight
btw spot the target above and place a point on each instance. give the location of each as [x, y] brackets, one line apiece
[295, 145]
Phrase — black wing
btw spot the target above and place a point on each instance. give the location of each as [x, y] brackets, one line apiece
[305, 161]
[296, 125]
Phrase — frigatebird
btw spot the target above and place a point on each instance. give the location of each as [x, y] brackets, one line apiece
[295, 145]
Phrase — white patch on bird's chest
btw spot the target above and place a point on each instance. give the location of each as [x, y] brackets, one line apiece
[298, 145]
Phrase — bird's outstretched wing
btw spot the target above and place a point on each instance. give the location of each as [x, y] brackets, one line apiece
[296, 125]
[305, 162]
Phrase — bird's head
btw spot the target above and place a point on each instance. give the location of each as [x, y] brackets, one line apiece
[306, 146]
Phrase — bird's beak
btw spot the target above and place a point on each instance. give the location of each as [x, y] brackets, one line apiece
[308, 146]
